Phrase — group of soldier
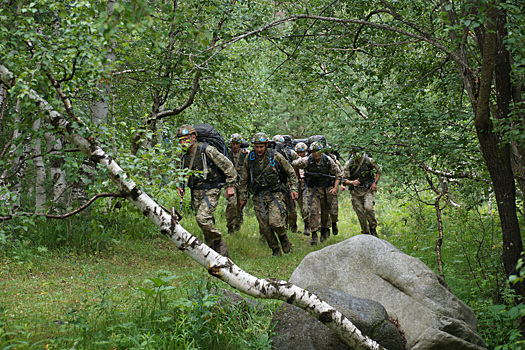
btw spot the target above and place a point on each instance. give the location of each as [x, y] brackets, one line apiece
[277, 177]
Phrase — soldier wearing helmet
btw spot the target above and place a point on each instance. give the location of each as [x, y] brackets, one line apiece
[205, 182]
[322, 177]
[302, 149]
[291, 207]
[334, 209]
[237, 155]
[264, 175]
[363, 174]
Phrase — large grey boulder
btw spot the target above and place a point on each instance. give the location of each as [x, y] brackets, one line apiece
[427, 311]
[295, 329]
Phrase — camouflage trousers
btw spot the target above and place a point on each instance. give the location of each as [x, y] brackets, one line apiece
[291, 211]
[303, 207]
[234, 218]
[204, 205]
[271, 218]
[363, 201]
[334, 211]
[319, 204]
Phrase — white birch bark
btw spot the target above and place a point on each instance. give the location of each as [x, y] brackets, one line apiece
[217, 265]
[58, 176]
[40, 170]
[11, 177]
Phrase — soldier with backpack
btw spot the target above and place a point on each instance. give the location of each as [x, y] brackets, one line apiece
[362, 184]
[214, 171]
[322, 180]
[264, 175]
[237, 155]
[291, 206]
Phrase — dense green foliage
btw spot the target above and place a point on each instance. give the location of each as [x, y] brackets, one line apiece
[247, 66]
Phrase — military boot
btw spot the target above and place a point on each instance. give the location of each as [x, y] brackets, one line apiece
[276, 251]
[335, 229]
[325, 232]
[220, 247]
[230, 230]
[373, 231]
[306, 229]
[285, 243]
[293, 228]
[314, 238]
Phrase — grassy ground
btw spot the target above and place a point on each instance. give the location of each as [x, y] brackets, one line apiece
[53, 291]
[43, 291]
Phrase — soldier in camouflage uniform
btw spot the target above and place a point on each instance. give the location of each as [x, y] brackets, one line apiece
[362, 184]
[206, 186]
[264, 175]
[301, 149]
[334, 209]
[291, 206]
[322, 179]
[234, 215]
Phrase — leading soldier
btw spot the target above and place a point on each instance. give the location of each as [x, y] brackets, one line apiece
[264, 174]
[206, 184]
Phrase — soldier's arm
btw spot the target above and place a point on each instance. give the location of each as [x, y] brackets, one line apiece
[300, 163]
[377, 168]
[290, 172]
[243, 183]
[338, 173]
[222, 163]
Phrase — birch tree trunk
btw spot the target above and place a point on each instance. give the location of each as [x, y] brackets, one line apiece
[40, 170]
[58, 176]
[11, 177]
[217, 265]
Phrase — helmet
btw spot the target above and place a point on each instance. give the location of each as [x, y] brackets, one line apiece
[301, 147]
[260, 137]
[354, 149]
[186, 129]
[316, 146]
[236, 138]
[278, 138]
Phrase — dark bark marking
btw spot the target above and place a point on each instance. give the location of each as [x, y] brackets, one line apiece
[291, 299]
[135, 193]
[146, 211]
[326, 316]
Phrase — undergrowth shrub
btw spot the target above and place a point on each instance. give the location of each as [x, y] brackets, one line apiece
[164, 319]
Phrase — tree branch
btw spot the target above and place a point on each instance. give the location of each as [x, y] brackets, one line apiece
[71, 213]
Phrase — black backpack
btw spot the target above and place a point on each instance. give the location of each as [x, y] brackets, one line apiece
[206, 133]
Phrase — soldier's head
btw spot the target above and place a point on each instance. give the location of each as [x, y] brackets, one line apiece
[278, 138]
[235, 142]
[187, 136]
[301, 148]
[316, 148]
[260, 142]
[356, 151]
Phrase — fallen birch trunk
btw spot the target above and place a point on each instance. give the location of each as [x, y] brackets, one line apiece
[217, 265]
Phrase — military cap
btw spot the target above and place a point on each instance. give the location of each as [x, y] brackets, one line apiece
[260, 137]
[185, 130]
[236, 138]
[301, 147]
